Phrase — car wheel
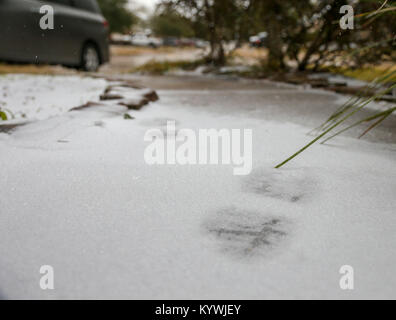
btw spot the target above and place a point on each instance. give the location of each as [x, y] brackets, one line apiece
[90, 58]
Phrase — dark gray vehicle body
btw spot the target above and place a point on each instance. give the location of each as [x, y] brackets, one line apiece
[76, 24]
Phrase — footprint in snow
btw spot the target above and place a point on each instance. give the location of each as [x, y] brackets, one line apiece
[161, 124]
[291, 185]
[246, 233]
[157, 122]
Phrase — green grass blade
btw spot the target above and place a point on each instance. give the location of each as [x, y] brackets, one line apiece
[371, 118]
[369, 100]
[354, 101]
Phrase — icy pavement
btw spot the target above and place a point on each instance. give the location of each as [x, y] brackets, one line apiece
[76, 194]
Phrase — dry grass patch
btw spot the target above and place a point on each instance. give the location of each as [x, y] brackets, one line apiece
[33, 69]
[251, 53]
[135, 51]
[161, 67]
[371, 73]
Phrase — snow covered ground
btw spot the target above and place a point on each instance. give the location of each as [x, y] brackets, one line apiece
[39, 98]
[76, 194]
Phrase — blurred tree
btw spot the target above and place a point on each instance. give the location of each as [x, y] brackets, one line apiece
[303, 32]
[300, 33]
[169, 23]
[213, 20]
[308, 34]
[116, 12]
[375, 40]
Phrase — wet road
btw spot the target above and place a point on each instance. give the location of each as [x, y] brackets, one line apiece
[124, 63]
[262, 99]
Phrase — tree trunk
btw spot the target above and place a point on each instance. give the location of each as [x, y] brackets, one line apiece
[276, 56]
[217, 53]
[273, 15]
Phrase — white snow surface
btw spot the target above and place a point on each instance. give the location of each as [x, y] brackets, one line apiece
[76, 194]
[39, 98]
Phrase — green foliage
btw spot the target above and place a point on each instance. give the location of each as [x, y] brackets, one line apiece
[171, 24]
[119, 17]
[3, 115]
[128, 117]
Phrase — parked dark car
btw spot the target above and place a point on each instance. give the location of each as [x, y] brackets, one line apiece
[171, 42]
[79, 37]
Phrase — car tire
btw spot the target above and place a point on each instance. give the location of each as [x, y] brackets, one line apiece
[90, 59]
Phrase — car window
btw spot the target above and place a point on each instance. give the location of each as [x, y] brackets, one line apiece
[88, 5]
[64, 2]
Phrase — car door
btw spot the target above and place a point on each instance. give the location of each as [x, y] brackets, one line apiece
[20, 32]
[56, 40]
[70, 31]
